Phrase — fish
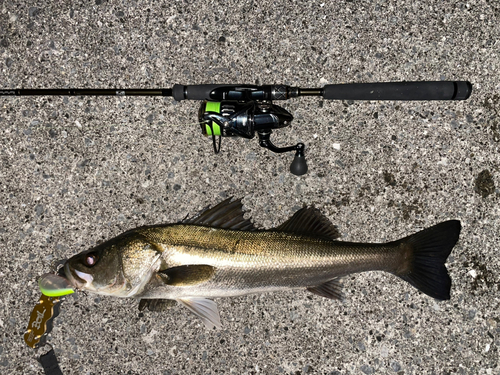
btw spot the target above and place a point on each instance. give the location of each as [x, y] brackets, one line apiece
[219, 253]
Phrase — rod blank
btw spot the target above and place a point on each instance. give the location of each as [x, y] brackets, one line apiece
[86, 92]
[425, 90]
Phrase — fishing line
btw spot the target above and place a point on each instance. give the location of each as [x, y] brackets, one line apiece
[47, 127]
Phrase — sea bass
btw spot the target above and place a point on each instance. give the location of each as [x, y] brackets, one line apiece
[219, 253]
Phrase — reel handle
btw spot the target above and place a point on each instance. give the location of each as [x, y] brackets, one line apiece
[428, 90]
[299, 165]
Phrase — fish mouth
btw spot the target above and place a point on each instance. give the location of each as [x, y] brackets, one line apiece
[78, 279]
[84, 281]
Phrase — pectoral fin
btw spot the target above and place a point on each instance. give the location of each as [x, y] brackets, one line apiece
[331, 289]
[187, 275]
[205, 309]
[156, 304]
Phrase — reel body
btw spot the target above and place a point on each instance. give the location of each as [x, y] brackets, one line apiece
[232, 118]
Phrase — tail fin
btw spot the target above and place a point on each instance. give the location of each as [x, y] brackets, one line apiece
[431, 247]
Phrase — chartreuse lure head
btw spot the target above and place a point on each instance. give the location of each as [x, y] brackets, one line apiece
[53, 285]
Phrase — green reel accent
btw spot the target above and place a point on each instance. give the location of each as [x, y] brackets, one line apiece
[212, 107]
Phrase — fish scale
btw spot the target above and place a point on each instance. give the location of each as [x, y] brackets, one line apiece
[253, 262]
[254, 259]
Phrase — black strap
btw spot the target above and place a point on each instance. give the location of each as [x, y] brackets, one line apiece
[50, 364]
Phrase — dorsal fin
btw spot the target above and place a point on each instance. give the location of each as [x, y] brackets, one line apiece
[226, 215]
[310, 221]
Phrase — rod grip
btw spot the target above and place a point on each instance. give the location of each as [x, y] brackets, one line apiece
[426, 90]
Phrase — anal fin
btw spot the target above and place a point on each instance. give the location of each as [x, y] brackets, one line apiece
[331, 289]
[205, 309]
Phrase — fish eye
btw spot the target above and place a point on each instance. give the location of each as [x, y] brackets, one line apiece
[91, 259]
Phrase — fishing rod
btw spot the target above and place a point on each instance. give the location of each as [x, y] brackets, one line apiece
[242, 110]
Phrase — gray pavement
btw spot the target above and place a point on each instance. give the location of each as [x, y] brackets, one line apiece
[76, 171]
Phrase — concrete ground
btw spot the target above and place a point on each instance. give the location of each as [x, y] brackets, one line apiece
[78, 170]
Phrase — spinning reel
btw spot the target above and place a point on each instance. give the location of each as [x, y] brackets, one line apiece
[243, 110]
[242, 119]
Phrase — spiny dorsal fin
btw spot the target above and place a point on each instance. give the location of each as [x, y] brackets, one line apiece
[331, 289]
[310, 221]
[226, 215]
[187, 275]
